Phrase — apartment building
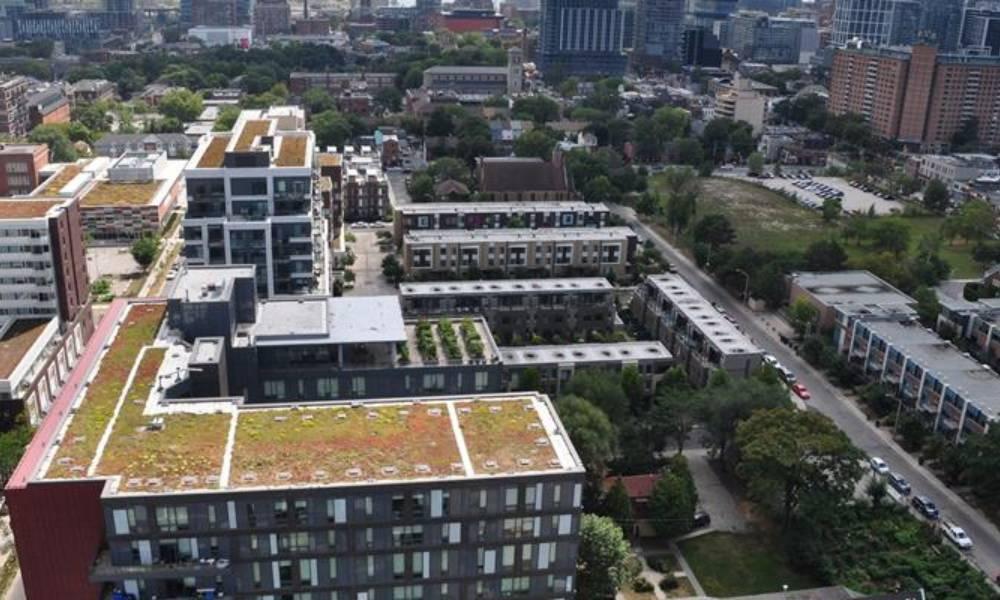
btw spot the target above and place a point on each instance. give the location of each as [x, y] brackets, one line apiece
[520, 308]
[700, 338]
[740, 102]
[332, 348]
[45, 316]
[187, 496]
[271, 17]
[839, 293]
[364, 188]
[606, 251]
[14, 105]
[556, 365]
[124, 199]
[251, 201]
[977, 322]
[918, 96]
[955, 394]
[338, 83]
[493, 215]
[20, 165]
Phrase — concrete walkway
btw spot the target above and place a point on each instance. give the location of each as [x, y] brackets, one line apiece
[687, 570]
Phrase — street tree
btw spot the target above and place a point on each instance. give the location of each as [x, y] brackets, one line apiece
[825, 255]
[831, 209]
[725, 406]
[593, 435]
[671, 505]
[714, 230]
[183, 105]
[755, 163]
[803, 316]
[675, 412]
[788, 454]
[144, 250]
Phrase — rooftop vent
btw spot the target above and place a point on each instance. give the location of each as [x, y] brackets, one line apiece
[189, 481]
[465, 410]
[555, 462]
[372, 415]
[457, 467]
[422, 469]
[248, 477]
[283, 476]
[524, 462]
[307, 417]
[280, 418]
[133, 482]
[434, 412]
[155, 424]
[353, 472]
[491, 465]
[319, 475]
[154, 482]
[496, 409]
[541, 442]
[341, 416]
[389, 470]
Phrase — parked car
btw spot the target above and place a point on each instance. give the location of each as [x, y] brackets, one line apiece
[925, 506]
[801, 391]
[702, 519]
[878, 466]
[956, 535]
[771, 360]
[787, 376]
[899, 484]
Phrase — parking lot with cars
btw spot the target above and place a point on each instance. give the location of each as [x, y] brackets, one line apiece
[810, 191]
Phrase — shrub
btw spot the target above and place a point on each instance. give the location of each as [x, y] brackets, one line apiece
[669, 582]
[642, 585]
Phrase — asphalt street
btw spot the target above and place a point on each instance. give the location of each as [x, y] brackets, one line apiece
[831, 402]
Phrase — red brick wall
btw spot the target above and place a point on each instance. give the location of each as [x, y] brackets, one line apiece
[66, 233]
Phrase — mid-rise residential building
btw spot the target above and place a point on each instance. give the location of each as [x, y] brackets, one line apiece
[839, 294]
[214, 13]
[364, 188]
[955, 171]
[582, 37]
[794, 145]
[176, 145]
[699, 337]
[337, 83]
[604, 251]
[179, 495]
[272, 17]
[14, 119]
[918, 96]
[956, 395]
[324, 348]
[251, 201]
[659, 27]
[520, 308]
[524, 179]
[127, 198]
[20, 167]
[45, 316]
[556, 365]
[976, 322]
[492, 215]
[48, 106]
[740, 102]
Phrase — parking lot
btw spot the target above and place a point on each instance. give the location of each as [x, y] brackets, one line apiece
[812, 191]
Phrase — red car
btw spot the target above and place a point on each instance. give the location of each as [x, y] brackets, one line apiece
[801, 391]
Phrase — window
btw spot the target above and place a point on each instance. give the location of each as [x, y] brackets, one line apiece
[510, 498]
[482, 380]
[301, 508]
[297, 541]
[172, 518]
[285, 573]
[333, 569]
[358, 386]
[280, 512]
[248, 186]
[514, 586]
[327, 387]
[274, 390]
[409, 535]
[398, 505]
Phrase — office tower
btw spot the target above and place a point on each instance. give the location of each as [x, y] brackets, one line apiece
[918, 96]
[582, 37]
[251, 201]
[981, 26]
[866, 20]
[710, 14]
[659, 26]
[214, 13]
[204, 496]
[941, 23]
[759, 37]
[701, 48]
[271, 17]
[904, 29]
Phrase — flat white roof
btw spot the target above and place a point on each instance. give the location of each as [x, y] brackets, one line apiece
[706, 318]
[343, 320]
[506, 286]
[584, 353]
[499, 207]
[568, 234]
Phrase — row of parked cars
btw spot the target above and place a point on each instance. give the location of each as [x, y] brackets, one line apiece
[788, 377]
[864, 187]
[921, 503]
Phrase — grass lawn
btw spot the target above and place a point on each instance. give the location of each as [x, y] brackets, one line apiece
[728, 564]
[764, 220]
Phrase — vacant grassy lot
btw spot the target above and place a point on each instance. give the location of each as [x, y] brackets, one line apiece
[765, 220]
[728, 564]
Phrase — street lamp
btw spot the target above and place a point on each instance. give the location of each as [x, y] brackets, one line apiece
[746, 285]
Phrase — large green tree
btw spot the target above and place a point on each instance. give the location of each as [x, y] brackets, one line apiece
[603, 388]
[331, 129]
[602, 560]
[788, 454]
[592, 434]
[617, 506]
[728, 404]
[936, 196]
[183, 105]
